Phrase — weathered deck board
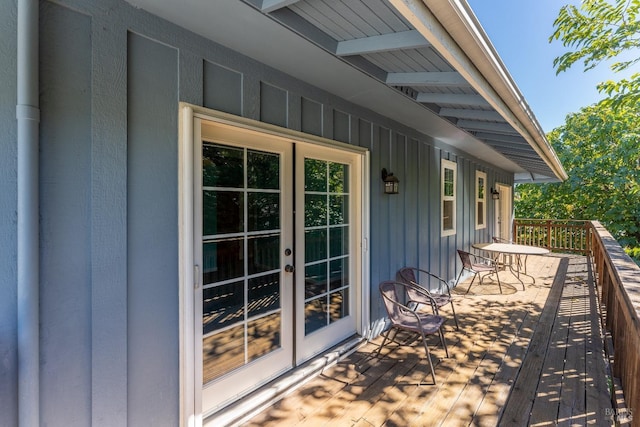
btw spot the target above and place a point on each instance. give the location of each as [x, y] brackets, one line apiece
[531, 357]
[597, 393]
[493, 402]
[522, 397]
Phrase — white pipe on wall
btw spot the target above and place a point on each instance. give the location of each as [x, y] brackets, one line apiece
[28, 117]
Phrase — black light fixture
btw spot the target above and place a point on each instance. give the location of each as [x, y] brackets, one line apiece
[391, 183]
[495, 194]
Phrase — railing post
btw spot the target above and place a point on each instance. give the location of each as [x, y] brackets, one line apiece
[587, 238]
[549, 234]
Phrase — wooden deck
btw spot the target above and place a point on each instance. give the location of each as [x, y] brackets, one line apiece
[532, 357]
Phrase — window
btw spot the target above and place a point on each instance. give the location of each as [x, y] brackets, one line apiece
[481, 205]
[448, 195]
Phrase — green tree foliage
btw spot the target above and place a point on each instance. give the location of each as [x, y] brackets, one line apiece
[598, 31]
[600, 148]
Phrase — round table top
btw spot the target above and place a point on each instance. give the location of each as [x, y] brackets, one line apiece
[510, 248]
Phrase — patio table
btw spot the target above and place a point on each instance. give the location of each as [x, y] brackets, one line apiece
[512, 249]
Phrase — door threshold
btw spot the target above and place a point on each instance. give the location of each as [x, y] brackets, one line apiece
[252, 404]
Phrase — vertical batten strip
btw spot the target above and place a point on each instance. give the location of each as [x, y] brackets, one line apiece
[109, 368]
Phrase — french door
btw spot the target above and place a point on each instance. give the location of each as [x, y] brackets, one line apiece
[276, 254]
[326, 255]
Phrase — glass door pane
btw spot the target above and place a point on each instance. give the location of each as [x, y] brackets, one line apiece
[241, 246]
[326, 247]
[326, 243]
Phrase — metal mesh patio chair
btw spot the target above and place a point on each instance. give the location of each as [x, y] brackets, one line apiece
[404, 318]
[477, 264]
[420, 277]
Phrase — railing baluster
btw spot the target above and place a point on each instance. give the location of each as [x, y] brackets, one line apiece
[556, 235]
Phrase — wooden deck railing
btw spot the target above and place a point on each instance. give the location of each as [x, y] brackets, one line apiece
[618, 279]
[555, 235]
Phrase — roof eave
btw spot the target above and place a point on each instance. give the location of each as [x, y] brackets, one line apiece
[452, 28]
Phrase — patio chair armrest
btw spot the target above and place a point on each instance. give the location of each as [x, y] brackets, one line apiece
[403, 308]
[422, 292]
[432, 303]
[438, 278]
[490, 261]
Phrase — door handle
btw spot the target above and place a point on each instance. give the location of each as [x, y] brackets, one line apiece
[289, 268]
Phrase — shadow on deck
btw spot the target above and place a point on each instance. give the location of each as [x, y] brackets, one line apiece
[532, 357]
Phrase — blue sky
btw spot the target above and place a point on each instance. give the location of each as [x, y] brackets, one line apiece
[520, 30]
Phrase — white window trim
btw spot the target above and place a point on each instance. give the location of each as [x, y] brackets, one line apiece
[483, 199]
[448, 164]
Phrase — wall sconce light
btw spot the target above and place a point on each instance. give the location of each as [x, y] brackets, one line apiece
[495, 195]
[391, 183]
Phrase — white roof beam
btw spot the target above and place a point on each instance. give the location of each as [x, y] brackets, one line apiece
[439, 78]
[461, 113]
[505, 147]
[511, 139]
[411, 39]
[452, 98]
[487, 126]
[272, 5]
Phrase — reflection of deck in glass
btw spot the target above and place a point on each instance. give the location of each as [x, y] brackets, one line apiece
[224, 352]
[320, 312]
[241, 307]
[224, 327]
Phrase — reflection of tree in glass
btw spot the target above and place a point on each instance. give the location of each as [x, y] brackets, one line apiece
[315, 243]
[263, 170]
[338, 174]
[264, 211]
[222, 212]
[448, 182]
[338, 210]
[222, 166]
[315, 175]
[315, 210]
[338, 241]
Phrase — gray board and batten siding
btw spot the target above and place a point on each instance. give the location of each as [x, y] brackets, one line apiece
[111, 78]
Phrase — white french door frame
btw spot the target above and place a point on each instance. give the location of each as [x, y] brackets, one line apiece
[308, 345]
[278, 360]
[191, 410]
